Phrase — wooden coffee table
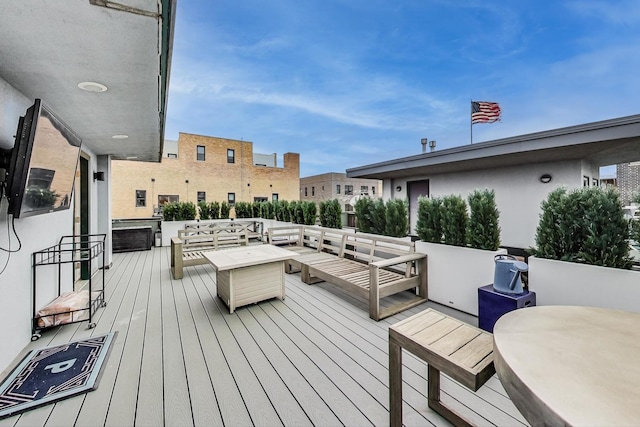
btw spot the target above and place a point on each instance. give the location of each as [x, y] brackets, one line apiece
[249, 274]
[565, 365]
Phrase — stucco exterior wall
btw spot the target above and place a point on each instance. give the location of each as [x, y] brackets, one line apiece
[519, 192]
[185, 176]
[35, 233]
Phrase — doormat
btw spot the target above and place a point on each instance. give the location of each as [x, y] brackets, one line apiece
[54, 373]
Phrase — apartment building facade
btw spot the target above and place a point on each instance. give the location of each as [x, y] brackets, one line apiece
[628, 181]
[202, 168]
[334, 185]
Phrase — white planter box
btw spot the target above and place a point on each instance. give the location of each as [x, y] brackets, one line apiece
[456, 273]
[570, 283]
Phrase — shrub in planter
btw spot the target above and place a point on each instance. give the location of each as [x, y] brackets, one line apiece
[585, 225]
[282, 211]
[483, 230]
[379, 217]
[331, 214]
[364, 214]
[256, 210]
[186, 211]
[243, 210]
[203, 207]
[454, 221]
[296, 212]
[224, 210]
[429, 223]
[396, 218]
[268, 210]
[309, 210]
[214, 210]
[170, 211]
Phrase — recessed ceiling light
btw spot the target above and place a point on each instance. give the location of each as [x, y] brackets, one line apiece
[92, 87]
[120, 136]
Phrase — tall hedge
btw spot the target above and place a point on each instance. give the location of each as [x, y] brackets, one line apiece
[331, 214]
[396, 218]
[454, 221]
[483, 229]
[364, 214]
[429, 223]
[224, 210]
[586, 225]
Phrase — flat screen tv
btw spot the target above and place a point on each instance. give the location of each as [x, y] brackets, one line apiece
[42, 165]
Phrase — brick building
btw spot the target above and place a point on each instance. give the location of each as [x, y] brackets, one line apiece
[628, 180]
[197, 168]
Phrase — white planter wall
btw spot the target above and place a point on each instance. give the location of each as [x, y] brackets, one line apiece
[569, 283]
[456, 273]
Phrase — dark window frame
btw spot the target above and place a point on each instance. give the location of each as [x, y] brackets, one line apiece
[231, 155]
[201, 157]
[141, 198]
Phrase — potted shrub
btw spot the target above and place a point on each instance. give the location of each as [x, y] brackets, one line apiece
[331, 214]
[174, 217]
[483, 230]
[581, 255]
[457, 268]
[396, 218]
[364, 214]
[224, 210]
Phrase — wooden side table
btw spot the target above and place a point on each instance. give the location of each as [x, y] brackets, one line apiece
[462, 351]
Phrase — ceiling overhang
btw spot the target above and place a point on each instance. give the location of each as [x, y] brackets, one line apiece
[49, 47]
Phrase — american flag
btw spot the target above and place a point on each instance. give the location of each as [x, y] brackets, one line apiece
[484, 112]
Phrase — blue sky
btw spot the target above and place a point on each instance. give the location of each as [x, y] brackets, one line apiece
[347, 83]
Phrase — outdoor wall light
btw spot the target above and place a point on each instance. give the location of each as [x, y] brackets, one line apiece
[398, 188]
[98, 176]
[545, 179]
[186, 181]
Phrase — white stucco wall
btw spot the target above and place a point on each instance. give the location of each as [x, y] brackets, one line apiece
[518, 189]
[35, 233]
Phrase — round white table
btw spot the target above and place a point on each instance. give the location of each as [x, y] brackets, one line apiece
[565, 365]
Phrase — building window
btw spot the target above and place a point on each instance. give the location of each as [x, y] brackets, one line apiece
[274, 197]
[364, 189]
[172, 156]
[231, 155]
[313, 191]
[348, 190]
[202, 196]
[141, 198]
[163, 198]
[200, 153]
[305, 191]
[337, 188]
[373, 190]
[231, 198]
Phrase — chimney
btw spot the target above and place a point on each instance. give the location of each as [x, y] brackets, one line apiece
[423, 141]
[432, 146]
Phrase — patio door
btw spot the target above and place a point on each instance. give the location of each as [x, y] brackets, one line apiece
[416, 189]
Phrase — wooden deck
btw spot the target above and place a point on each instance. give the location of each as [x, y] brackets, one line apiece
[180, 359]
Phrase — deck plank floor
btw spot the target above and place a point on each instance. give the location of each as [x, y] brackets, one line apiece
[180, 358]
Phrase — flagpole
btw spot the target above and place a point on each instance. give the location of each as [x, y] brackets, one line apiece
[471, 120]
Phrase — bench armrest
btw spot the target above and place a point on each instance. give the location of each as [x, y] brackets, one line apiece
[398, 260]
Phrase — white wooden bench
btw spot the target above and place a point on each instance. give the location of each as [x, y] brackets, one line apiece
[448, 345]
[365, 265]
[188, 247]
